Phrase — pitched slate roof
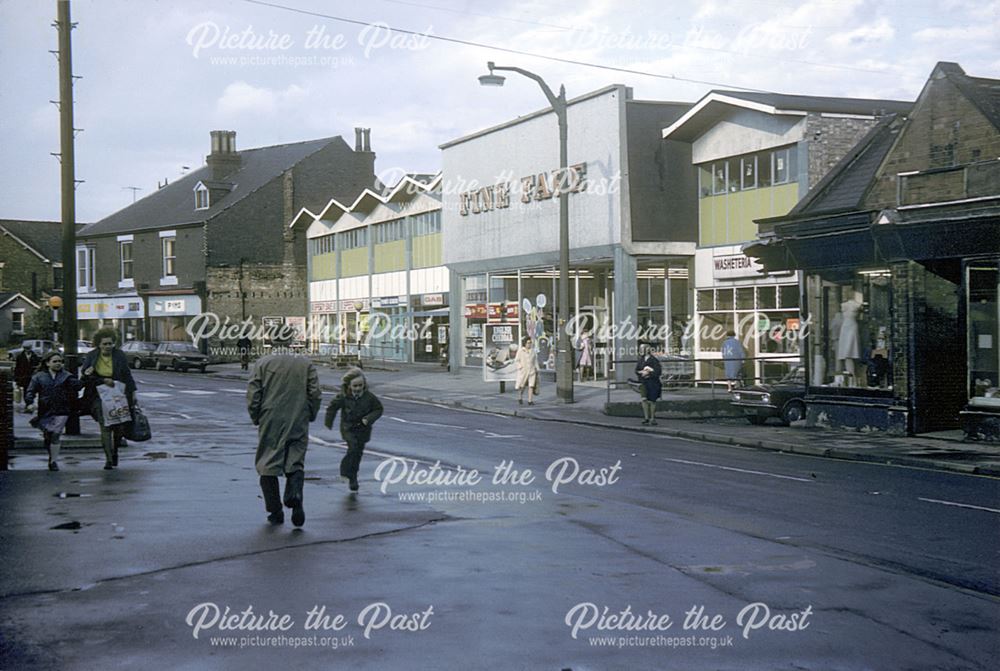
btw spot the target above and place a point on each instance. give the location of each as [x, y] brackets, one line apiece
[9, 296]
[173, 205]
[44, 237]
[845, 186]
[716, 105]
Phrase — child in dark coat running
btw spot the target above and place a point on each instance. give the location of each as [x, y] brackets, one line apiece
[56, 390]
[360, 410]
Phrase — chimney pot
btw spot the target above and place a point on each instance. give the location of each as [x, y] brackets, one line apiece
[367, 139]
[216, 136]
[357, 139]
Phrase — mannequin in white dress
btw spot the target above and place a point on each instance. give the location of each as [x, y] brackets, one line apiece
[848, 348]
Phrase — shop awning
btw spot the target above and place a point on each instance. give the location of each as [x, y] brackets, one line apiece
[918, 233]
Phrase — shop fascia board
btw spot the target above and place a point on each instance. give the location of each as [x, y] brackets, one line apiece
[654, 248]
[580, 255]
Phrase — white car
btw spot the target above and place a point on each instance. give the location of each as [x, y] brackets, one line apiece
[39, 346]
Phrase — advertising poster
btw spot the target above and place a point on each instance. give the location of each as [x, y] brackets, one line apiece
[501, 348]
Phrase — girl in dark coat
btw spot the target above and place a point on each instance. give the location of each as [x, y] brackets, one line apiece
[648, 369]
[56, 390]
[360, 410]
[106, 364]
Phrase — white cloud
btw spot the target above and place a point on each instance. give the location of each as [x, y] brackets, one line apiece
[879, 31]
[957, 33]
[241, 98]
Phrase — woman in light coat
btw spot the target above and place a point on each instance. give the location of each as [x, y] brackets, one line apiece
[527, 371]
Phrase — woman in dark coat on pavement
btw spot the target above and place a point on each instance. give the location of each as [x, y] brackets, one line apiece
[649, 370]
[106, 364]
[56, 390]
[360, 408]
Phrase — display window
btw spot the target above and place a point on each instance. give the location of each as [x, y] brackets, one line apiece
[851, 334]
[765, 318]
[983, 309]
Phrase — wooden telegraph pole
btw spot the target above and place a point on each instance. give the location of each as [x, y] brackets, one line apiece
[68, 187]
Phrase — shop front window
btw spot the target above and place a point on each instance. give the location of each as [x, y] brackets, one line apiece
[474, 298]
[984, 330]
[851, 338]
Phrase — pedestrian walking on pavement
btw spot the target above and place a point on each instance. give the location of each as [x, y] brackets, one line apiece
[359, 410]
[283, 397]
[649, 370]
[733, 355]
[25, 365]
[106, 364]
[244, 345]
[56, 390]
[526, 361]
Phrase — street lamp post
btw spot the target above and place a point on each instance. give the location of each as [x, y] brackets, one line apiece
[564, 351]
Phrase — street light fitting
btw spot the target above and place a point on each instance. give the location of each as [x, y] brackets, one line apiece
[491, 79]
[564, 349]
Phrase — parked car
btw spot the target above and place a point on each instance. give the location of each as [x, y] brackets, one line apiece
[39, 346]
[179, 356]
[83, 346]
[140, 353]
[783, 399]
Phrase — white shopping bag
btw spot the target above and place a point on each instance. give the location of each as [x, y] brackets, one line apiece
[114, 404]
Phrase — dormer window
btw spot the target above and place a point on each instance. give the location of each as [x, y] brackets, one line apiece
[201, 197]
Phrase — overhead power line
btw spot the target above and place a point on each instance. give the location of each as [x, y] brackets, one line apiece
[699, 47]
[480, 45]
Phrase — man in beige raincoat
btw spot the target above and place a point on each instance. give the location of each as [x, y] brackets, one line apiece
[283, 397]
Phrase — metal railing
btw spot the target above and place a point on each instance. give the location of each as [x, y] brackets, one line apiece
[683, 373]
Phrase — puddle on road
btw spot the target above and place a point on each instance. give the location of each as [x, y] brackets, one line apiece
[186, 456]
[68, 526]
[157, 455]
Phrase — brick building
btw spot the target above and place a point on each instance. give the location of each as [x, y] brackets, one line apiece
[31, 257]
[899, 248]
[216, 240]
[31, 271]
[757, 155]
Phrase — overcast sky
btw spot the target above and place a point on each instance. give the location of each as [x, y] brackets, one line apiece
[159, 75]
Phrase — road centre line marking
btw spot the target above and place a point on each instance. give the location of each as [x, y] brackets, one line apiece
[738, 470]
[443, 426]
[236, 391]
[343, 445]
[959, 505]
[154, 394]
[198, 392]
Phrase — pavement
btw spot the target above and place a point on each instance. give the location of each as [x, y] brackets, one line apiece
[467, 390]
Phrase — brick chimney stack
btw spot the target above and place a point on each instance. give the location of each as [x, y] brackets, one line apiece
[224, 158]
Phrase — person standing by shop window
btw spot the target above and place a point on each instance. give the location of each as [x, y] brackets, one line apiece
[106, 364]
[649, 371]
[586, 355]
[733, 355]
[527, 371]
